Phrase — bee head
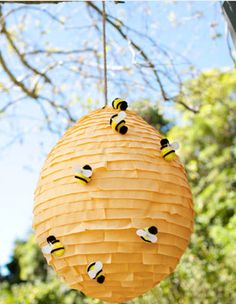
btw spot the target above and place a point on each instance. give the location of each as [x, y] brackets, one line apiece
[51, 239]
[87, 167]
[123, 106]
[164, 142]
[153, 230]
[123, 130]
[101, 279]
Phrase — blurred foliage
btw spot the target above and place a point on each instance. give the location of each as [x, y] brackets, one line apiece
[206, 273]
[152, 115]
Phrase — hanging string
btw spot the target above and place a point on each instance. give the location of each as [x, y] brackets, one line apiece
[104, 49]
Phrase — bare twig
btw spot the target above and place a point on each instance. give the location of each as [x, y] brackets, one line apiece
[32, 93]
[57, 52]
[11, 103]
[136, 46]
[19, 54]
[118, 26]
[12, 77]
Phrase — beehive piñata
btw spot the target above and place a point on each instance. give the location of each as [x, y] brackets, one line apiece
[120, 233]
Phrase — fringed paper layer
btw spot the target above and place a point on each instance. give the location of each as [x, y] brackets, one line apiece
[132, 187]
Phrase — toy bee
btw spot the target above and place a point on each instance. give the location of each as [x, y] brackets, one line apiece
[54, 247]
[117, 122]
[119, 104]
[148, 234]
[84, 174]
[168, 150]
[95, 272]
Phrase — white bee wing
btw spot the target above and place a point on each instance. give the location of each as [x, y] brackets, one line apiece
[47, 249]
[98, 266]
[152, 238]
[175, 145]
[141, 232]
[121, 115]
[77, 168]
[86, 172]
[92, 273]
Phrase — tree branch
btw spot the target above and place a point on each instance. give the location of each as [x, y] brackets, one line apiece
[150, 64]
[35, 2]
[12, 77]
[19, 54]
[57, 52]
[136, 46]
[31, 93]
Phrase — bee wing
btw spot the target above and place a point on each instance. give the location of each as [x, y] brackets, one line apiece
[98, 266]
[121, 115]
[175, 145]
[140, 232]
[86, 173]
[77, 167]
[47, 249]
[152, 238]
[92, 273]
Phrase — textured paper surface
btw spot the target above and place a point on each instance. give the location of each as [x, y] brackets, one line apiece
[132, 187]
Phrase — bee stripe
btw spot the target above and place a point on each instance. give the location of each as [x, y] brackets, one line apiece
[113, 103]
[112, 118]
[119, 104]
[60, 248]
[116, 128]
[54, 241]
[145, 240]
[81, 178]
[90, 266]
[164, 146]
[98, 273]
[172, 151]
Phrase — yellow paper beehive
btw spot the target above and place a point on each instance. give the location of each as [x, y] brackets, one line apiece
[132, 187]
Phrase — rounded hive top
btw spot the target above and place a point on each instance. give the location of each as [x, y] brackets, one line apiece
[102, 223]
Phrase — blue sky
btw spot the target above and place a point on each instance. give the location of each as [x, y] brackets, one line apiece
[20, 162]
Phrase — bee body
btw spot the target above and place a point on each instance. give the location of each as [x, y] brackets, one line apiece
[119, 104]
[81, 178]
[167, 152]
[117, 123]
[95, 272]
[84, 174]
[58, 249]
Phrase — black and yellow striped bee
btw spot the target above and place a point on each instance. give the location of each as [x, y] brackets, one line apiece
[148, 234]
[117, 122]
[119, 104]
[54, 247]
[84, 174]
[95, 272]
[168, 150]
